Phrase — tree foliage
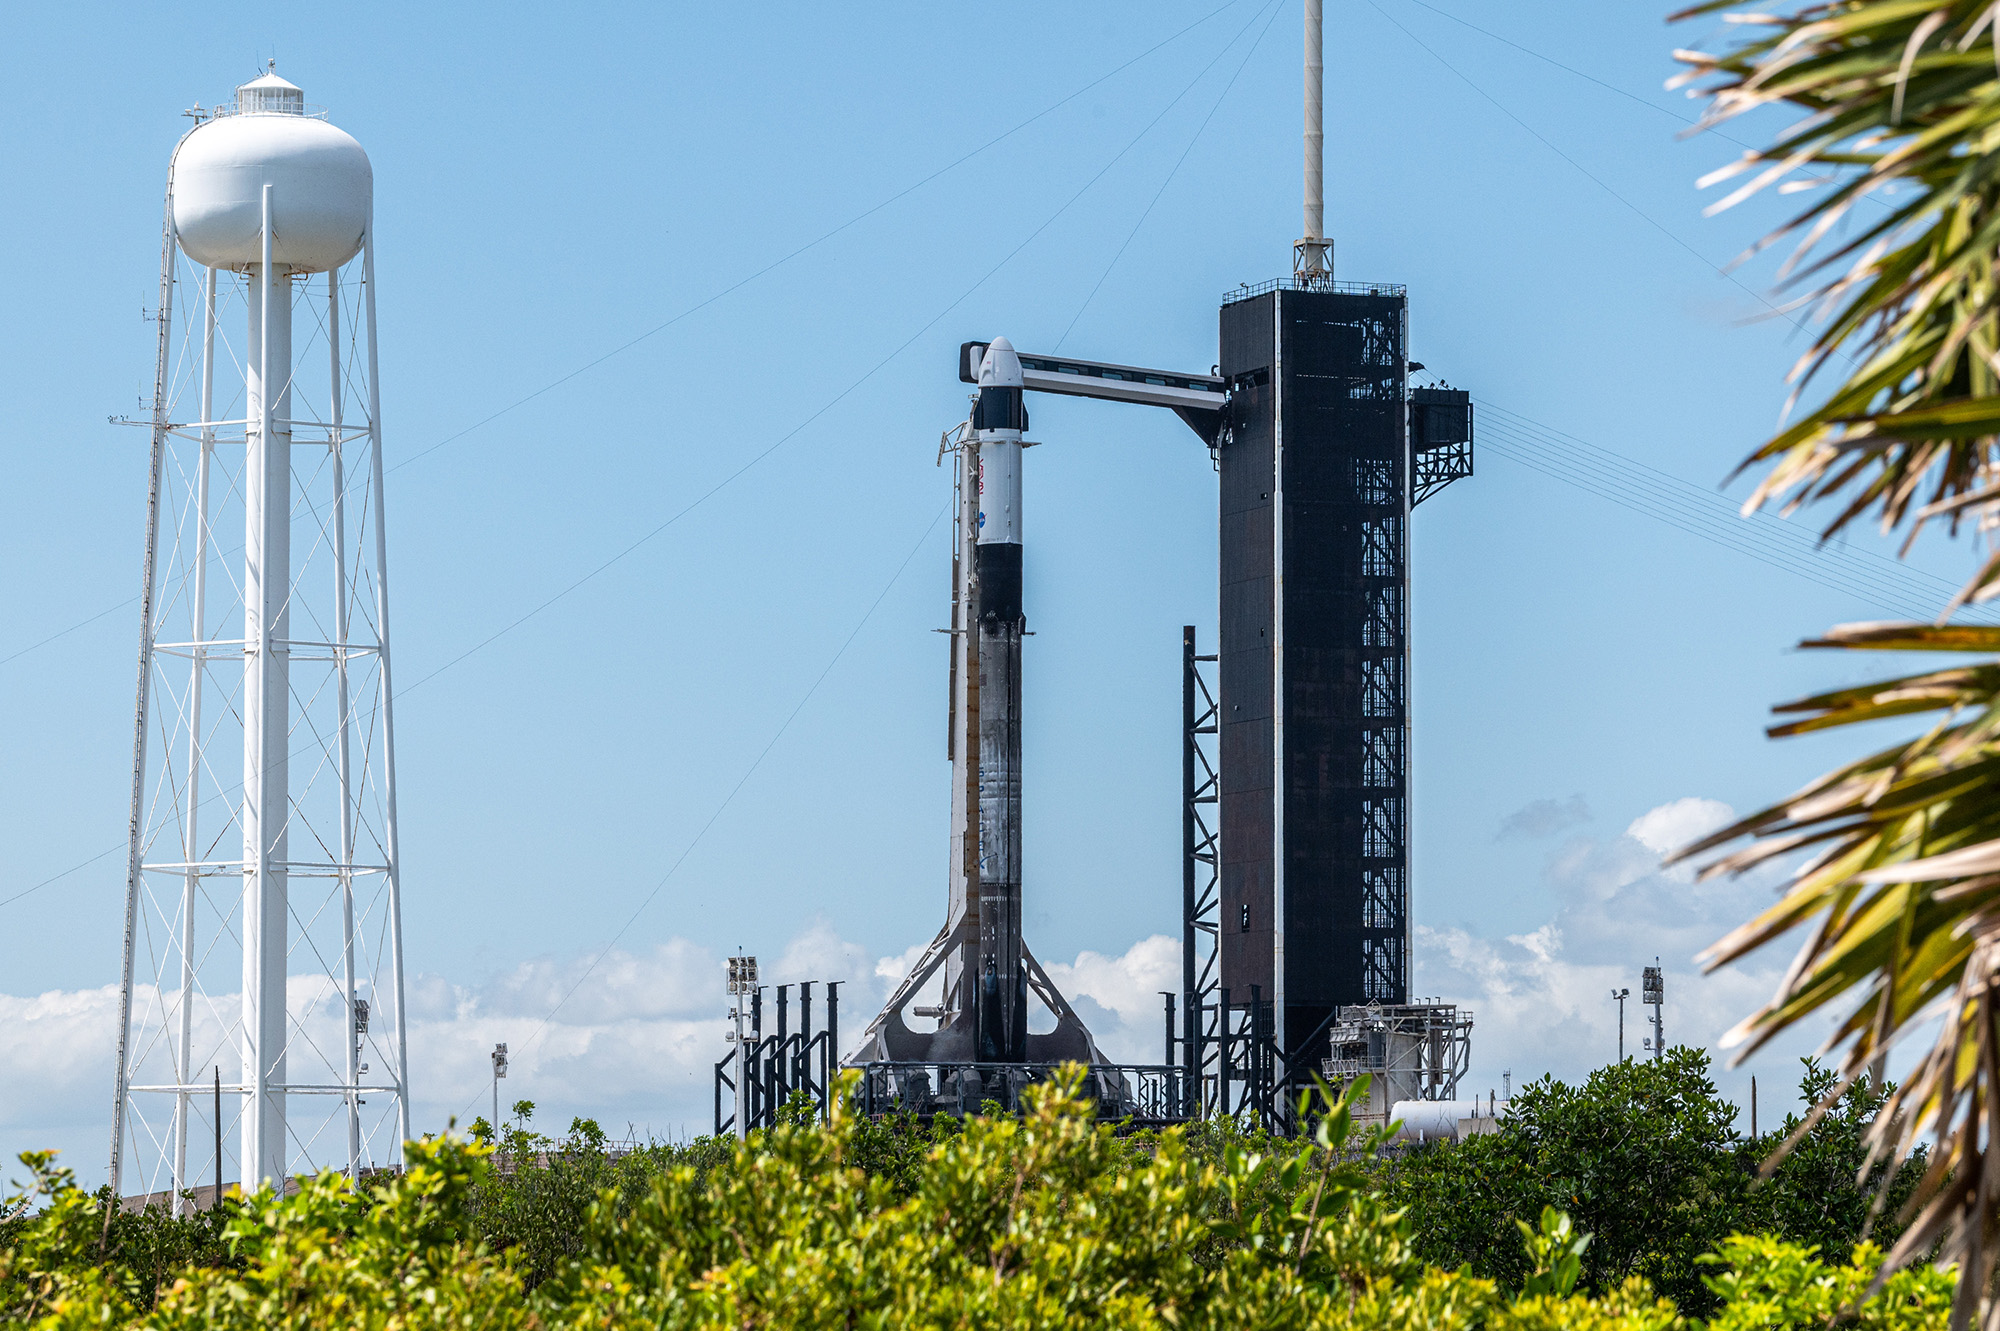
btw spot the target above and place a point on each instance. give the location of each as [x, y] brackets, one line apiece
[1046, 1221]
[1645, 1158]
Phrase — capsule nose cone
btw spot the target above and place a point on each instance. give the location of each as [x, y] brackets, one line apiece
[1000, 367]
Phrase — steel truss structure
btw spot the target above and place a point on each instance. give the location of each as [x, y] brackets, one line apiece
[1138, 1095]
[263, 939]
[1409, 1051]
[763, 1072]
[1201, 1044]
[1440, 439]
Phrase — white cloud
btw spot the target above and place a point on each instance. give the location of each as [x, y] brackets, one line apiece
[56, 1052]
[1542, 999]
[891, 970]
[1680, 823]
[633, 1039]
[636, 1036]
[821, 954]
[1118, 997]
[1543, 818]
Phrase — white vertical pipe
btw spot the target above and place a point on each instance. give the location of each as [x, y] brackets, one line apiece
[142, 706]
[745, 1068]
[337, 449]
[1279, 782]
[197, 679]
[266, 712]
[1408, 802]
[1315, 135]
[388, 710]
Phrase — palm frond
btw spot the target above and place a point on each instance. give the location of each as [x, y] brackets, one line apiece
[1894, 260]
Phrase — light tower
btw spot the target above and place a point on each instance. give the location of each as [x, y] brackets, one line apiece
[1653, 985]
[263, 815]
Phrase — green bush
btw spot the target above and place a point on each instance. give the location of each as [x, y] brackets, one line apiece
[1644, 1156]
[1049, 1220]
[536, 1196]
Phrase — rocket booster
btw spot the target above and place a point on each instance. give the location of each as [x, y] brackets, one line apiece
[997, 423]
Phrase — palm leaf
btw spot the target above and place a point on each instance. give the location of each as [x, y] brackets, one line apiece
[1899, 902]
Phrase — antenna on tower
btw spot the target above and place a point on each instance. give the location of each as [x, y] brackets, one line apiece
[1312, 253]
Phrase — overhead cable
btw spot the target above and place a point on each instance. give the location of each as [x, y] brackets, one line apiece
[742, 781]
[1178, 163]
[733, 287]
[405, 690]
[1876, 579]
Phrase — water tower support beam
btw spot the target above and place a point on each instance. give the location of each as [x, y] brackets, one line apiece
[135, 828]
[390, 835]
[337, 449]
[267, 589]
[198, 668]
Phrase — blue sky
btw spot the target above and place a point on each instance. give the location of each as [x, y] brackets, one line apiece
[595, 311]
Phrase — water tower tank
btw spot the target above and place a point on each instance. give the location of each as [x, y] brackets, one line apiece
[322, 195]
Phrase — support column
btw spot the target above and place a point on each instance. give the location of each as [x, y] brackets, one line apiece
[197, 687]
[266, 714]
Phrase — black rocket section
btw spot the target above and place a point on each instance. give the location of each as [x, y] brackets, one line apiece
[999, 583]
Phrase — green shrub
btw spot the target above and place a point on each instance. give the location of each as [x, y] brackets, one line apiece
[1644, 1156]
[1046, 1221]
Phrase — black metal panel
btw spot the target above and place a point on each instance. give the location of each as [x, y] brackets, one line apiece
[1245, 582]
[1331, 403]
[1247, 333]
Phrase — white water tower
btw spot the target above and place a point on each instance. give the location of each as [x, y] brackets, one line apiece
[262, 1015]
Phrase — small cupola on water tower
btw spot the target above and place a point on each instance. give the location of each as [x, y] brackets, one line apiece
[270, 95]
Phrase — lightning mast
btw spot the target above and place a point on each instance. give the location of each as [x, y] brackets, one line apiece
[1312, 253]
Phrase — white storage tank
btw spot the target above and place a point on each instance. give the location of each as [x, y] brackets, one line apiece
[322, 187]
[1441, 1120]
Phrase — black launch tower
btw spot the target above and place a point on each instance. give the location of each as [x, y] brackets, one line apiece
[1323, 454]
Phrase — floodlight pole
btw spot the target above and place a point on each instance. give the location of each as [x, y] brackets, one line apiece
[1620, 995]
[499, 1071]
[1654, 993]
[742, 1074]
[742, 987]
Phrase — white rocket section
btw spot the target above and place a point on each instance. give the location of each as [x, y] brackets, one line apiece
[1000, 454]
[1001, 1000]
[1000, 367]
[1000, 491]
